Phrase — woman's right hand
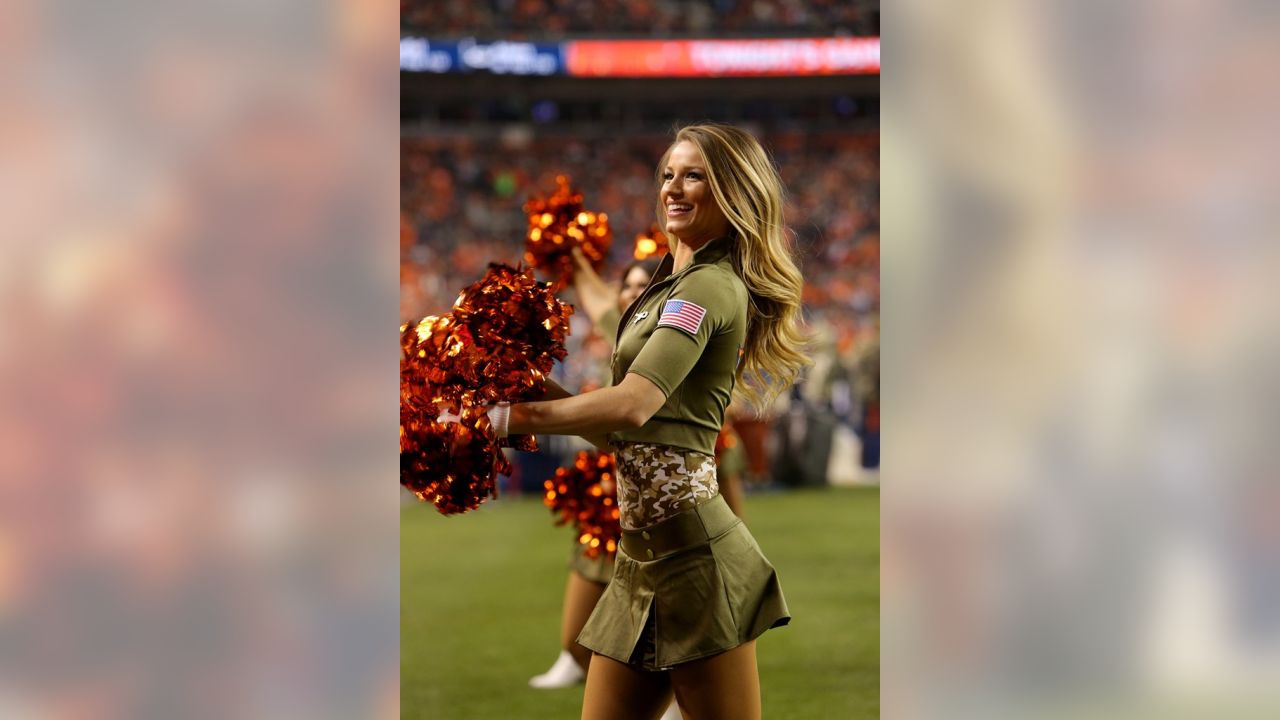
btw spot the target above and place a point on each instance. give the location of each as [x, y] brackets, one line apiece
[499, 414]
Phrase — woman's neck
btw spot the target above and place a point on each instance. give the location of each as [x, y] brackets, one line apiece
[682, 256]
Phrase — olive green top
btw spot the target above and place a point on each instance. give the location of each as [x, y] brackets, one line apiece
[684, 334]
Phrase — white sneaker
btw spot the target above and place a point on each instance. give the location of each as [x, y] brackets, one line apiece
[673, 712]
[563, 673]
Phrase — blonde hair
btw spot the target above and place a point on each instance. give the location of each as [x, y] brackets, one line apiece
[747, 187]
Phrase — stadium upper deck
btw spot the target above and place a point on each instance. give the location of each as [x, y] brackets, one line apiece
[543, 19]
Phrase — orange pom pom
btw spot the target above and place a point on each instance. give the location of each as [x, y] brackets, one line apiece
[557, 224]
[505, 333]
[649, 243]
[577, 495]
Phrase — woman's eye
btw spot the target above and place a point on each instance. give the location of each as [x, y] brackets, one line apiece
[693, 175]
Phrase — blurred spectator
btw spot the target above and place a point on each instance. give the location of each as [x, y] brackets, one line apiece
[461, 201]
[461, 208]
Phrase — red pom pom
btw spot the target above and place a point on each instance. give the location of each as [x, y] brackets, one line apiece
[585, 494]
[519, 327]
[453, 466]
[503, 336]
[557, 224]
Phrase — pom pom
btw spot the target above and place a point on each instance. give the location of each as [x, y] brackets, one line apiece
[503, 336]
[557, 224]
[437, 364]
[585, 494]
[454, 466]
[518, 326]
[649, 243]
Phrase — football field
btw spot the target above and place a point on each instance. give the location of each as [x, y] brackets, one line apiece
[481, 593]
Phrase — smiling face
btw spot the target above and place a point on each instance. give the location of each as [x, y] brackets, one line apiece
[632, 285]
[692, 213]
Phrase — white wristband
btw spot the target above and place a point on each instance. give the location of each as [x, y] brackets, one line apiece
[500, 418]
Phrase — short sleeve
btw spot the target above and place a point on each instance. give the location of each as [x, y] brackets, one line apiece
[699, 306]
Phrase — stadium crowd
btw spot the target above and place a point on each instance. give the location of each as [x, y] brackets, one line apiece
[462, 197]
[520, 19]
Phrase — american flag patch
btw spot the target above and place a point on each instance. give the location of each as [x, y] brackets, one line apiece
[682, 314]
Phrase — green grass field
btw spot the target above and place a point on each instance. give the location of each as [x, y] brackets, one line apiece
[480, 608]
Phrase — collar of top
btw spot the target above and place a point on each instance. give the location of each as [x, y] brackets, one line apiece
[711, 252]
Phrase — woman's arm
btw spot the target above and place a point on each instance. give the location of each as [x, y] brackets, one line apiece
[553, 391]
[594, 294]
[625, 406]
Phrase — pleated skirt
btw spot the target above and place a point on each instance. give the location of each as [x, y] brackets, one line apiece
[689, 587]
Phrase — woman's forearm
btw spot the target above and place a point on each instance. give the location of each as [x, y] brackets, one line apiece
[595, 296]
[621, 407]
[595, 302]
[596, 412]
[553, 391]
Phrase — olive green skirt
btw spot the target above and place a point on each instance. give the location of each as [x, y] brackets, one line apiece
[691, 586]
[597, 570]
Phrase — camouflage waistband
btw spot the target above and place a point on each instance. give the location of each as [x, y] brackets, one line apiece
[656, 482]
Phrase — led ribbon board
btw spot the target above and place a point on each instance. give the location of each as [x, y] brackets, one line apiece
[723, 58]
[469, 55]
[646, 58]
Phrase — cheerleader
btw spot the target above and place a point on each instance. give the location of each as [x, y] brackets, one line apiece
[691, 589]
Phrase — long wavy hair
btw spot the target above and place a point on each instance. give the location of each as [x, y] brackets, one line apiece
[747, 187]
